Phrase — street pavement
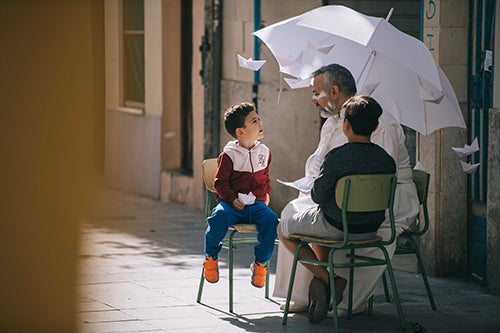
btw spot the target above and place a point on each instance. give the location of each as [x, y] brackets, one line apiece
[140, 265]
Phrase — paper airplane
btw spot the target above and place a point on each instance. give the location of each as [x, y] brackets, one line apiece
[304, 184]
[246, 199]
[469, 168]
[419, 166]
[467, 150]
[249, 63]
[298, 83]
[286, 62]
[323, 49]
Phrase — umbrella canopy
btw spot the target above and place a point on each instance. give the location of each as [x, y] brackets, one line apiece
[413, 101]
[391, 66]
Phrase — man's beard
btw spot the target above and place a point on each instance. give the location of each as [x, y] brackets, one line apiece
[328, 111]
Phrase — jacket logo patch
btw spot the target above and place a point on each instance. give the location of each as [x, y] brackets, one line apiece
[262, 160]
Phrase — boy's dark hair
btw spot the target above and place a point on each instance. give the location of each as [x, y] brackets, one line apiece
[363, 113]
[337, 75]
[234, 117]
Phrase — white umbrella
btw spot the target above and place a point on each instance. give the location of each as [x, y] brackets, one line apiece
[411, 100]
[395, 68]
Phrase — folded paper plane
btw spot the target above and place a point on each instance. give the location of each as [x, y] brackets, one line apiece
[467, 150]
[298, 83]
[303, 184]
[469, 168]
[249, 63]
[247, 199]
[419, 166]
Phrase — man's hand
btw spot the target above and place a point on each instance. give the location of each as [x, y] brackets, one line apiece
[237, 204]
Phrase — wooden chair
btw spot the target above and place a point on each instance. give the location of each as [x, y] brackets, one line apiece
[209, 167]
[421, 179]
[356, 193]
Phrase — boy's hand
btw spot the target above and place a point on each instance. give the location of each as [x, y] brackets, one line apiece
[237, 204]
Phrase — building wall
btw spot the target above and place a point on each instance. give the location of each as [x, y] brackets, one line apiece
[143, 148]
[291, 123]
[132, 139]
[493, 196]
[493, 200]
[51, 74]
[176, 185]
[445, 27]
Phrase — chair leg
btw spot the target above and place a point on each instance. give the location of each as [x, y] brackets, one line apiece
[394, 288]
[370, 305]
[267, 280]
[290, 283]
[424, 274]
[229, 244]
[331, 270]
[230, 264]
[386, 289]
[200, 286]
[351, 285]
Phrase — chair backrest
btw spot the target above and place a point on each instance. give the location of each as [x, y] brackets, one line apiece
[421, 180]
[209, 167]
[365, 193]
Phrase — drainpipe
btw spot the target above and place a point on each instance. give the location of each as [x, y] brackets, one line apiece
[256, 51]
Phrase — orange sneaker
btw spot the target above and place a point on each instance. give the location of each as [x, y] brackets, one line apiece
[259, 272]
[211, 269]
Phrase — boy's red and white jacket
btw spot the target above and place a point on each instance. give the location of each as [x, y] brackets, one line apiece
[240, 170]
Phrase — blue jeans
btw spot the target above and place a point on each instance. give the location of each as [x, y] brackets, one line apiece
[224, 216]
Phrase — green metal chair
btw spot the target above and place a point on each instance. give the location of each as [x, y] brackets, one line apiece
[421, 179]
[356, 193]
[209, 167]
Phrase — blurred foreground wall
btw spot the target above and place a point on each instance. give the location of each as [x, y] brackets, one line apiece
[50, 99]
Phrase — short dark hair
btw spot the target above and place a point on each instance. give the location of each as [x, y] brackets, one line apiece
[235, 115]
[363, 113]
[337, 75]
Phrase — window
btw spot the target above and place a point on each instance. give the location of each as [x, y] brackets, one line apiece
[133, 54]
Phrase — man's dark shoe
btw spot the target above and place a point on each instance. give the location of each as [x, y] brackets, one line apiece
[318, 301]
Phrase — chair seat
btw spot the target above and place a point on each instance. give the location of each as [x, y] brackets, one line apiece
[334, 241]
[409, 232]
[245, 227]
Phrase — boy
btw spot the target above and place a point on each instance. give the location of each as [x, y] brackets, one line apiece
[242, 171]
[357, 156]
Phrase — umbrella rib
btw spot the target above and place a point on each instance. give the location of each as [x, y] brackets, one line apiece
[425, 107]
[372, 54]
